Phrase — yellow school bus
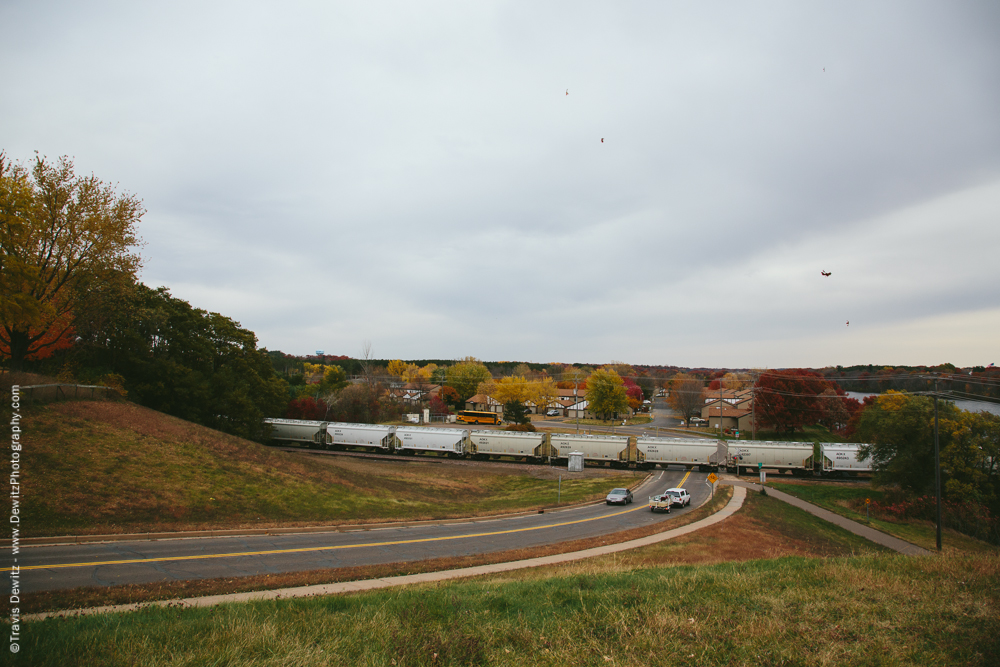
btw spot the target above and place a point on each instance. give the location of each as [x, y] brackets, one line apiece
[478, 417]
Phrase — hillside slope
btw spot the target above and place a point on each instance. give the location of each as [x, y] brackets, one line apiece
[109, 467]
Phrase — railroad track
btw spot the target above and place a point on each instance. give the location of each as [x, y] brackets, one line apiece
[425, 458]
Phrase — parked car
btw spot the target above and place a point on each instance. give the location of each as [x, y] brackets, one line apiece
[552, 413]
[619, 496]
[679, 496]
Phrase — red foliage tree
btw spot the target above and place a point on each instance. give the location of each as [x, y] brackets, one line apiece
[449, 395]
[306, 407]
[439, 407]
[790, 399]
[43, 343]
[857, 408]
[632, 390]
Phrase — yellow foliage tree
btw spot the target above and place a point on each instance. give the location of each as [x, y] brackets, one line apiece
[61, 238]
[396, 368]
[543, 393]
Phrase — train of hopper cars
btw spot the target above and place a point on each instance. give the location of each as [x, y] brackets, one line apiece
[642, 452]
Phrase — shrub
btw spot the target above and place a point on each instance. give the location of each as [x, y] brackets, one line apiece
[521, 427]
[967, 517]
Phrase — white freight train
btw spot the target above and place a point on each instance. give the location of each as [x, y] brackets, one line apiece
[841, 459]
[613, 449]
[704, 454]
[751, 455]
[413, 439]
[370, 436]
[492, 444]
[312, 433]
[838, 459]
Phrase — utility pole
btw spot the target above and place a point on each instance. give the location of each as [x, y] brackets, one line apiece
[576, 404]
[720, 408]
[937, 465]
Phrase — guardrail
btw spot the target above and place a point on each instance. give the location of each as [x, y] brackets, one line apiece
[44, 393]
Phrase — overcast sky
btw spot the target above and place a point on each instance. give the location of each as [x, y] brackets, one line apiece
[416, 175]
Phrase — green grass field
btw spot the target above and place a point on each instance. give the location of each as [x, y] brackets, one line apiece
[870, 610]
[836, 497]
[104, 467]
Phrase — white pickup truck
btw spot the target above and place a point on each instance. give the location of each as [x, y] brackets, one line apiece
[660, 503]
[678, 496]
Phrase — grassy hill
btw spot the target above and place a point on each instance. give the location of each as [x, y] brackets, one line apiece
[110, 467]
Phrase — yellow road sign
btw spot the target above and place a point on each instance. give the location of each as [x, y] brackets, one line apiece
[713, 478]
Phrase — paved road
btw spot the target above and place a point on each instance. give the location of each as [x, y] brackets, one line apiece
[114, 563]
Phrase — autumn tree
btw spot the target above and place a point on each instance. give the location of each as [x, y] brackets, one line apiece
[789, 399]
[898, 432]
[621, 368]
[421, 376]
[334, 380]
[62, 235]
[396, 368]
[465, 376]
[306, 407]
[572, 378]
[687, 397]
[633, 393]
[438, 406]
[972, 459]
[542, 393]
[836, 414]
[606, 393]
[505, 390]
[16, 202]
[357, 403]
[735, 381]
[450, 396]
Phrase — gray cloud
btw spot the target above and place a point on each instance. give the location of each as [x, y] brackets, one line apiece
[417, 176]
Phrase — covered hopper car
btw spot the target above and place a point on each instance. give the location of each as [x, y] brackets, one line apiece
[644, 452]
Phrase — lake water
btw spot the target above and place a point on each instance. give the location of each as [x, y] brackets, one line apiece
[971, 406]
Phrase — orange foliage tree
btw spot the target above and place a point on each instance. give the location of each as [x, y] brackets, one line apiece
[62, 237]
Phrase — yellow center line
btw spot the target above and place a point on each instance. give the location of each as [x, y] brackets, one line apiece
[307, 549]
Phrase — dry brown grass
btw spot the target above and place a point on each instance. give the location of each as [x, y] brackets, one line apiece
[114, 467]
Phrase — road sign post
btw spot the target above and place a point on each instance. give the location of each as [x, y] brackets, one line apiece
[712, 479]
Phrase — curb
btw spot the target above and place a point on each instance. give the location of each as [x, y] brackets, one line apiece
[734, 504]
[240, 532]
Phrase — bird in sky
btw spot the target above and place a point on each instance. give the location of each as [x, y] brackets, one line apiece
[848, 323]
[826, 273]
[567, 91]
[602, 140]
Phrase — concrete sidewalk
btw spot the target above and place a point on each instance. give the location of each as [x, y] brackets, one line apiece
[739, 494]
[864, 531]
